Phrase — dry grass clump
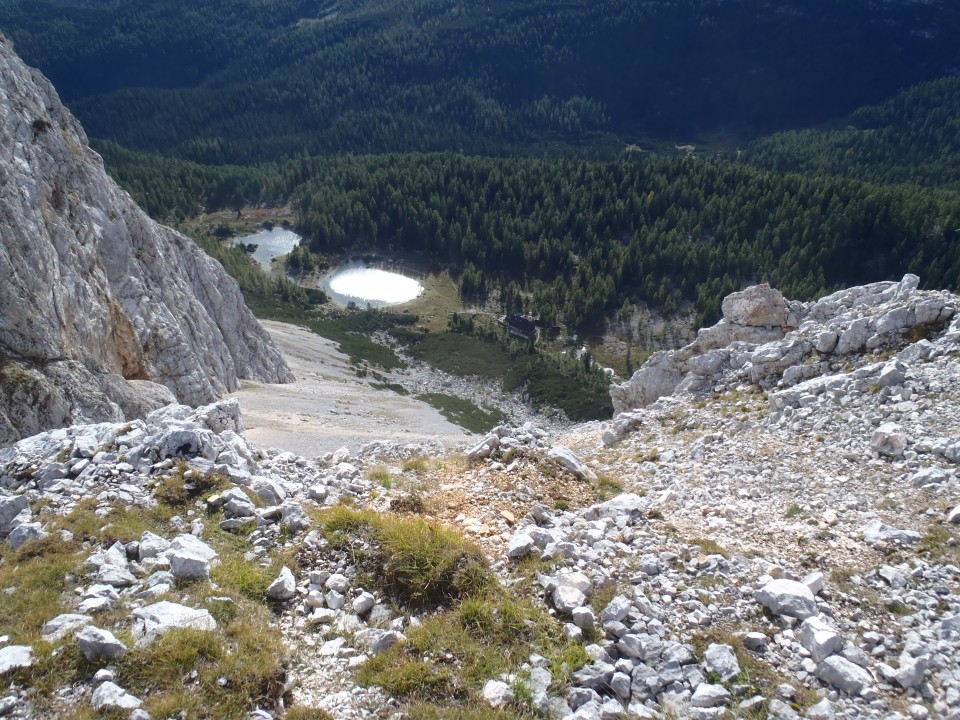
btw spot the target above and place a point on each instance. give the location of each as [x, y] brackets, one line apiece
[380, 475]
[709, 547]
[217, 675]
[472, 629]
[418, 563]
[447, 659]
[606, 487]
[184, 486]
[416, 464]
[307, 713]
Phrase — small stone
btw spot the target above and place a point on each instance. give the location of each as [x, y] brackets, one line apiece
[294, 516]
[25, 532]
[96, 644]
[753, 705]
[10, 507]
[707, 696]
[620, 684]
[193, 544]
[788, 597]
[335, 600]
[777, 709]
[386, 641]
[497, 693]
[520, 546]
[115, 576]
[574, 579]
[721, 659]
[822, 640]
[186, 565]
[889, 440]
[877, 531]
[363, 603]
[152, 621]
[911, 671]
[338, 583]
[322, 616]
[564, 457]
[755, 641]
[110, 696]
[583, 617]
[151, 546]
[814, 581]
[616, 610]
[284, 587]
[566, 599]
[843, 675]
[13, 657]
[62, 625]
[821, 711]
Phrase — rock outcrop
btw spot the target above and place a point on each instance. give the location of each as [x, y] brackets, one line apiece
[765, 340]
[104, 314]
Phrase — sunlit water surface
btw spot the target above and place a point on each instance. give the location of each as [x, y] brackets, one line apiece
[270, 244]
[357, 283]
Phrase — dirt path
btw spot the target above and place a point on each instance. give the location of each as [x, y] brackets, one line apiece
[329, 407]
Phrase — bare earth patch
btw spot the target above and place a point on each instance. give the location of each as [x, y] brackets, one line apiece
[329, 407]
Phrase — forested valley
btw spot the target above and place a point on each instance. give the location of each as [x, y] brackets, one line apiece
[565, 159]
[246, 81]
[580, 237]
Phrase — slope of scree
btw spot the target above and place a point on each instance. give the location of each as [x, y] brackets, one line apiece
[103, 312]
[776, 538]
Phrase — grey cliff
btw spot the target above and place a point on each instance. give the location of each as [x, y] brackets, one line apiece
[104, 314]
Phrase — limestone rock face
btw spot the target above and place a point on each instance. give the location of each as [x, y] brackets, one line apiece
[104, 314]
[788, 346]
[757, 306]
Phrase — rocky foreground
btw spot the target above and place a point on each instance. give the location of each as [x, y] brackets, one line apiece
[773, 534]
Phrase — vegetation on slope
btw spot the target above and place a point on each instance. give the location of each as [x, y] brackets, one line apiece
[243, 81]
[471, 628]
[240, 665]
[913, 137]
[571, 240]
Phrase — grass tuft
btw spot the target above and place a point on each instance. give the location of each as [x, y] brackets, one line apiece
[178, 490]
[380, 475]
[709, 547]
[606, 487]
[419, 563]
[452, 654]
[417, 464]
[307, 713]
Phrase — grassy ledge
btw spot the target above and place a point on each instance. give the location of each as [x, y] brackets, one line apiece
[469, 628]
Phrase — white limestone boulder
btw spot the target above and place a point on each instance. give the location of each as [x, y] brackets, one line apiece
[787, 597]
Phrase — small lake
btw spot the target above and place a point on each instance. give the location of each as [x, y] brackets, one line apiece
[358, 282]
[270, 244]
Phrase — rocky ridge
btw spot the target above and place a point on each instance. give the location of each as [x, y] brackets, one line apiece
[765, 340]
[779, 543]
[104, 314]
